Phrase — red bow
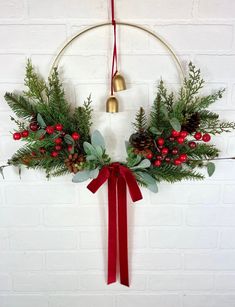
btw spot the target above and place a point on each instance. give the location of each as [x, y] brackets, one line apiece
[118, 177]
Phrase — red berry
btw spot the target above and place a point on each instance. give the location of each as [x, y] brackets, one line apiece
[160, 141]
[206, 137]
[177, 162]
[157, 163]
[175, 133]
[192, 145]
[171, 139]
[50, 129]
[168, 159]
[59, 127]
[175, 151]
[17, 136]
[33, 154]
[165, 151]
[149, 156]
[63, 134]
[75, 136]
[34, 126]
[42, 150]
[70, 147]
[183, 157]
[198, 135]
[58, 141]
[158, 157]
[42, 137]
[58, 147]
[183, 134]
[54, 154]
[25, 133]
[180, 140]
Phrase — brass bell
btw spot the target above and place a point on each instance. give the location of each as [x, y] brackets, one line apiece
[119, 83]
[112, 105]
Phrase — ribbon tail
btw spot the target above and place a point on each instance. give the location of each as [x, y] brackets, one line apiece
[133, 186]
[96, 183]
[122, 232]
[112, 230]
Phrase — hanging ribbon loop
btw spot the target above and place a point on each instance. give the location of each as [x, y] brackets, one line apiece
[119, 177]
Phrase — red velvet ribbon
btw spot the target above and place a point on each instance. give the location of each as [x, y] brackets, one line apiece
[119, 177]
[114, 62]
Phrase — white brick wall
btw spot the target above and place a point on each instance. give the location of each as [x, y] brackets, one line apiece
[53, 245]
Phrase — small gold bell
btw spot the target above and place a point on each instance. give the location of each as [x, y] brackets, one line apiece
[112, 105]
[119, 83]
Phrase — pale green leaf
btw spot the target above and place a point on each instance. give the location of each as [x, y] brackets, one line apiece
[210, 168]
[97, 139]
[175, 124]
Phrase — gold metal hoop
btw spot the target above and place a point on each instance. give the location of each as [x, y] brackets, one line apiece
[156, 36]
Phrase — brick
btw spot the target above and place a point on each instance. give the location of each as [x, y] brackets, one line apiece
[208, 300]
[217, 9]
[20, 261]
[19, 217]
[74, 216]
[97, 282]
[23, 300]
[45, 282]
[12, 9]
[183, 238]
[176, 282]
[216, 67]
[229, 194]
[4, 239]
[211, 216]
[197, 194]
[59, 9]
[156, 261]
[225, 282]
[98, 238]
[150, 9]
[221, 260]
[156, 216]
[81, 300]
[74, 261]
[151, 67]
[32, 37]
[5, 282]
[196, 37]
[43, 239]
[227, 239]
[14, 66]
[24, 194]
[149, 300]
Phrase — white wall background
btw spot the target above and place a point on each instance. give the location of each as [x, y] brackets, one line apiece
[53, 234]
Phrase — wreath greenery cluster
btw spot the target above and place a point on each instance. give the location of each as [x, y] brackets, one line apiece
[170, 144]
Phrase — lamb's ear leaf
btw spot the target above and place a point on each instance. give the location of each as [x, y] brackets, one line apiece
[81, 176]
[210, 168]
[97, 139]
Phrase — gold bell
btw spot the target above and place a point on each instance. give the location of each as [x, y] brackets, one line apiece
[119, 83]
[112, 105]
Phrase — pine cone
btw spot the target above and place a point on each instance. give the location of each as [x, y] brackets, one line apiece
[140, 140]
[192, 123]
[73, 162]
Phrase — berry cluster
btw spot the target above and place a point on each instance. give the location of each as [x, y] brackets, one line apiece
[171, 149]
[56, 130]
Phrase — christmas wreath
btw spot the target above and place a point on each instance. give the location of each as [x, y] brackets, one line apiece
[170, 144]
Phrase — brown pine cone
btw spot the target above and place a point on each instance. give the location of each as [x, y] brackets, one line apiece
[73, 162]
[192, 123]
[140, 140]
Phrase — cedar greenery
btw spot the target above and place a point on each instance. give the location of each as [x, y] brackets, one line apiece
[45, 104]
[187, 110]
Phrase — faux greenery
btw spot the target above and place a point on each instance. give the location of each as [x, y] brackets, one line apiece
[58, 139]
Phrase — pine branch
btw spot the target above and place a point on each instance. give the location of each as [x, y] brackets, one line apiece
[140, 123]
[35, 84]
[21, 106]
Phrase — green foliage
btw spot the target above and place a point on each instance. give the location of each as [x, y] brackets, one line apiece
[188, 110]
[45, 104]
[140, 121]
